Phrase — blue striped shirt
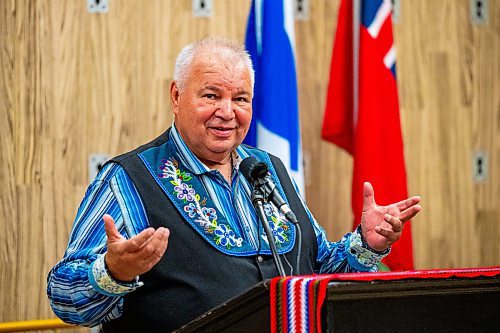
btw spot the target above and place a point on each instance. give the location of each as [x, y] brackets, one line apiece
[79, 287]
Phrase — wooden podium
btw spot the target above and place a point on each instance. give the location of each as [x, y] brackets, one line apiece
[404, 305]
[450, 304]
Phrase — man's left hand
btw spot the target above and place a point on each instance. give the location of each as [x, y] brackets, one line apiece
[382, 225]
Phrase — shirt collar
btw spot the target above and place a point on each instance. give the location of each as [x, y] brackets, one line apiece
[192, 162]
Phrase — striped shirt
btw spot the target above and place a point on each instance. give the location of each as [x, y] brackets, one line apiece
[79, 287]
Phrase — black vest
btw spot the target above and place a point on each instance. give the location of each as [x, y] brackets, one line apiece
[194, 277]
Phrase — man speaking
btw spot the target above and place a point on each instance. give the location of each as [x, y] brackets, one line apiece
[180, 235]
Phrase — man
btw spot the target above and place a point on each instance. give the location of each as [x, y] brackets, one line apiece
[180, 235]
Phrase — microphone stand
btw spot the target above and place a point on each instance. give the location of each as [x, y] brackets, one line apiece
[257, 201]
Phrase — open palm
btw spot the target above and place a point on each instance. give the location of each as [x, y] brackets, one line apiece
[382, 225]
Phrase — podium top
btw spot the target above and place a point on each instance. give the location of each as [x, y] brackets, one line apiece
[251, 311]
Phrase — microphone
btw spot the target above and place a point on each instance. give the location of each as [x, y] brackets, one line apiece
[257, 174]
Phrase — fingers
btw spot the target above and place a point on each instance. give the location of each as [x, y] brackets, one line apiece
[405, 204]
[137, 242]
[410, 213]
[387, 233]
[396, 224]
[111, 231]
[150, 253]
[156, 246]
[147, 243]
[129, 258]
[392, 233]
[368, 195]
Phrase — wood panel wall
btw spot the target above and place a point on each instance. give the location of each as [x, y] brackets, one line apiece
[74, 83]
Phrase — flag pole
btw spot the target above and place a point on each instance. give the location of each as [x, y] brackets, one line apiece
[356, 15]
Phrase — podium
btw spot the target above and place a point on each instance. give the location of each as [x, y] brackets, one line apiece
[453, 304]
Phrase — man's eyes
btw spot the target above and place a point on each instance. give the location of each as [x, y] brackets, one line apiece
[210, 96]
[241, 99]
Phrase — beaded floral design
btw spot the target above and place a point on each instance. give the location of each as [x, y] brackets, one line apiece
[196, 207]
[104, 280]
[363, 255]
[278, 225]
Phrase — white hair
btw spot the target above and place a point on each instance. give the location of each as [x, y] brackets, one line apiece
[186, 57]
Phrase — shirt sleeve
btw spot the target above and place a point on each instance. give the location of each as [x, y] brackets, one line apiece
[79, 287]
[350, 254]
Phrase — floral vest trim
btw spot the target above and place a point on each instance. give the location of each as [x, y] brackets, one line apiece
[192, 201]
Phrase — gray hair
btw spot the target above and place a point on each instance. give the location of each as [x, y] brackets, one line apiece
[186, 57]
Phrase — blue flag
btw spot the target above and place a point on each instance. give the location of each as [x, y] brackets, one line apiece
[275, 127]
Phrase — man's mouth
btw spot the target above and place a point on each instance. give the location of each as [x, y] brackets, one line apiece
[222, 131]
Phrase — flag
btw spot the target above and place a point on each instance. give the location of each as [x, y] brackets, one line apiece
[372, 133]
[275, 127]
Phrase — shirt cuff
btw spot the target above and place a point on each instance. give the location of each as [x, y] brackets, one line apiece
[102, 281]
[360, 255]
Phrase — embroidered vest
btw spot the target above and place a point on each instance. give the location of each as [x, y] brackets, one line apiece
[205, 263]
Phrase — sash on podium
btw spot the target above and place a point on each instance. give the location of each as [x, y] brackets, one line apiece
[296, 302]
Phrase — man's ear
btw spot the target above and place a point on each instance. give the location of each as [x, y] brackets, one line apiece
[174, 96]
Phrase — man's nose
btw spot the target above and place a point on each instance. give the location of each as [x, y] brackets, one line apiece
[225, 109]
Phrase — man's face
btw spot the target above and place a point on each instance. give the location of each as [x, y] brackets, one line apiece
[214, 108]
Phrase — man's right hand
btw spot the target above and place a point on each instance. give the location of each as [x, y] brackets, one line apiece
[128, 258]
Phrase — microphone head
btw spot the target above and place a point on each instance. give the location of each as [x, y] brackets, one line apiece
[253, 170]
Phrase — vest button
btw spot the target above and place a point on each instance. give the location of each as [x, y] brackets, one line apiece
[260, 259]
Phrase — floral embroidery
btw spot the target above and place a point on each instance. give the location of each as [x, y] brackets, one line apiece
[191, 209]
[225, 236]
[184, 192]
[104, 280]
[209, 212]
[363, 255]
[278, 225]
[269, 210]
[195, 207]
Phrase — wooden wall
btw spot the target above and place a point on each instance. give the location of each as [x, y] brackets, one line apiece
[74, 83]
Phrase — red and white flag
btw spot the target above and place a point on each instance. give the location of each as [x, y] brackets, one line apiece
[372, 133]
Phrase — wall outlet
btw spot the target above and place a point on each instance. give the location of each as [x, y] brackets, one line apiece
[301, 10]
[97, 6]
[479, 166]
[202, 8]
[96, 162]
[479, 11]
